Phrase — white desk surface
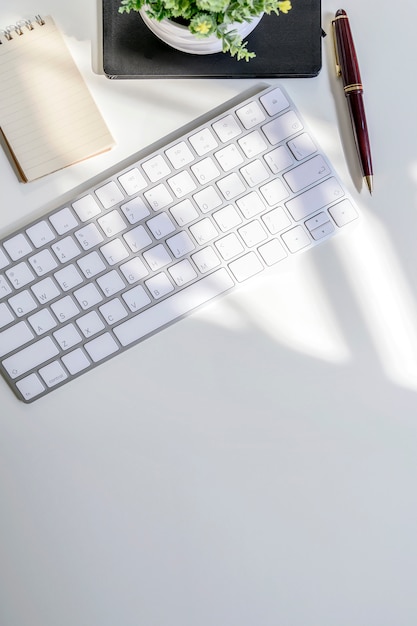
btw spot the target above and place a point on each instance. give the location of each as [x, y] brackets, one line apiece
[255, 464]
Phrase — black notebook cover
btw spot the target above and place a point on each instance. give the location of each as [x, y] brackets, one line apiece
[286, 46]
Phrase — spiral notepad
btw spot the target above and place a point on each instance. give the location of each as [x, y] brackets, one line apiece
[48, 118]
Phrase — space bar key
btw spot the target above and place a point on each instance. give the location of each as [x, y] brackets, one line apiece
[174, 307]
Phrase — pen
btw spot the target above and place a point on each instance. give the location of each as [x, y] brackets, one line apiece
[347, 67]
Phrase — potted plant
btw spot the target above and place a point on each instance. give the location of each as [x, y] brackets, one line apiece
[224, 22]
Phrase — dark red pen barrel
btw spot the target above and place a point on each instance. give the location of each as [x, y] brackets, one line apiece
[360, 130]
[352, 84]
[346, 50]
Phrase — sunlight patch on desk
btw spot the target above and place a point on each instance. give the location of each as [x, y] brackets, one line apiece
[296, 312]
[290, 308]
[384, 297]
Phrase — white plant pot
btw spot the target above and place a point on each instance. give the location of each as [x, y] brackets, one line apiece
[179, 37]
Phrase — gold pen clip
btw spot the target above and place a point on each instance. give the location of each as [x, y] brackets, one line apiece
[336, 54]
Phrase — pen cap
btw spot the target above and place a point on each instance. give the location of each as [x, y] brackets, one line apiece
[346, 52]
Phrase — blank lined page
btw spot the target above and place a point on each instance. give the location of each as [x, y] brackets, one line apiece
[47, 114]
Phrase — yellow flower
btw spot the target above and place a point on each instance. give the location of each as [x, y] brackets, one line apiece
[203, 28]
[202, 25]
[284, 6]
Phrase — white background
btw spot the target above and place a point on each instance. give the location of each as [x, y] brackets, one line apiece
[255, 464]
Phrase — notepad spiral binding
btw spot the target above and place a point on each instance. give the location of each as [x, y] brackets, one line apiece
[9, 32]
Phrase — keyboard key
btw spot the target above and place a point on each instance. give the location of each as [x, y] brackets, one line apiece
[22, 303]
[274, 102]
[229, 157]
[205, 170]
[253, 144]
[14, 337]
[91, 265]
[86, 208]
[231, 186]
[30, 387]
[227, 218]
[322, 231]
[182, 184]
[20, 275]
[65, 309]
[207, 199]
[30, 357]
[246, 267]
[227, 128]
[137, 238]
[75, 361]
[276, 220]
[5, 288]
[53, 373]
[156, 168]
[101, 347]
[343, 212]
[251, 205]
[43, 262]
[109, 195]
[42, 321]
[67, 336]
[203, 231]
[160, 226]
[184, 212]
[88, 296]
[272, 252]
[5, 315]
[114, 251]
[274, 192]
[203, 141]
[134, 270]
[252, 233]
[229, 246]
[205, 259]
[113, 311]
[17, 247]
[157, 257]
[63, 221]
[306, 174]
[282, 127]
[40, 234]
[315, 199]
[302, 146]
[132, 181]
[179, 155]
[110, 283]
[250, 115]
[112, 223]
[180, 244]
[4, 261]
[135, 210]
[278, 159]
[159, 285]
[66, 249]
[136, 298]
[182, 272]
[317, 220]
[254, 173]
[158, 197]
[173, 307]
[68, 278]
[90, 324]
[296, 239]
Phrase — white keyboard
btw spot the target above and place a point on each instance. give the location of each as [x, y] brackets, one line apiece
[227, 197]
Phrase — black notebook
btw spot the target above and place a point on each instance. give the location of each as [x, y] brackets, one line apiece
[286, 46]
